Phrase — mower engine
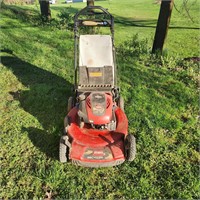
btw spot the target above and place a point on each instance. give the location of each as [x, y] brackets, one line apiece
[97, 109]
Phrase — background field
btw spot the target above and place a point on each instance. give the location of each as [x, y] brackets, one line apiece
[161, 102]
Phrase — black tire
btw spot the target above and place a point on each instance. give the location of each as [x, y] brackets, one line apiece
[130, 147]
[63, 150]
[81, 122]
[121, 103]
[70, 104]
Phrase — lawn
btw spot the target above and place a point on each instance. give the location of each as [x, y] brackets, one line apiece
[161, 103]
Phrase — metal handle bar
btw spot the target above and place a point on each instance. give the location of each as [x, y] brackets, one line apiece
[89, 10]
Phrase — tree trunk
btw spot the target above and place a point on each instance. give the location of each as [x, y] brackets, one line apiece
[90, 2]
[45, 9]
[162, 25]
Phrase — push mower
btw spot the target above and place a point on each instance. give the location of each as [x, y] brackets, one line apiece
[96, 127]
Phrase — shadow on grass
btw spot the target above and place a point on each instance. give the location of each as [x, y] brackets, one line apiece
[16, 27]
[144, 23]
[23, 14]
[45, 99]
[69, 9]
[32, 17]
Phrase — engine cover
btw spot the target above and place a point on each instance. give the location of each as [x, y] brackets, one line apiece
[99, 107]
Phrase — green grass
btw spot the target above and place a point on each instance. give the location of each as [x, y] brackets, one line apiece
[161, 102]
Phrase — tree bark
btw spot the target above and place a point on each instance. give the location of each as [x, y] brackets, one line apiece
[45, 9]
[90, 2]
[162, 25]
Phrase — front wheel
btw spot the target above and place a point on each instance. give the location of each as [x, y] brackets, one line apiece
[130, 147]
[63, 150]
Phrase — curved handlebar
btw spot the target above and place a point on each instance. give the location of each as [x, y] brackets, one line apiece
[89, 10]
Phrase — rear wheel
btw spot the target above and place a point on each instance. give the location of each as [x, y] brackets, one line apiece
[81, 122]
[63, 150]
[70, 104]
[121, 103]
[130, 146]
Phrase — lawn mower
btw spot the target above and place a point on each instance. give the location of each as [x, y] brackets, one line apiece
[96, 127]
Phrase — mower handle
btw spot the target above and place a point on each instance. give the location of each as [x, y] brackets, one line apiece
[89, 10]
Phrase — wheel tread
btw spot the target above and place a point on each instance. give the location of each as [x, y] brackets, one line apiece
[131, 149]
[62, 151]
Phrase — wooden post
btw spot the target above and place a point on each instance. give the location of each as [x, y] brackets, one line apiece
[90, 2]
[162, 25]
[45, 9]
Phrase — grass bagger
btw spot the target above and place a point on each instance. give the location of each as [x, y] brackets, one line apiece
[96, 127]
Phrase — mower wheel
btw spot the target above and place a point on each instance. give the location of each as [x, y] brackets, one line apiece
[63, 150]
[70, 104]
[121, 103]
[130, 146]
[80, 122]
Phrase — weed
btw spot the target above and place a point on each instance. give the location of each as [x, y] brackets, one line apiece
[133, 48]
